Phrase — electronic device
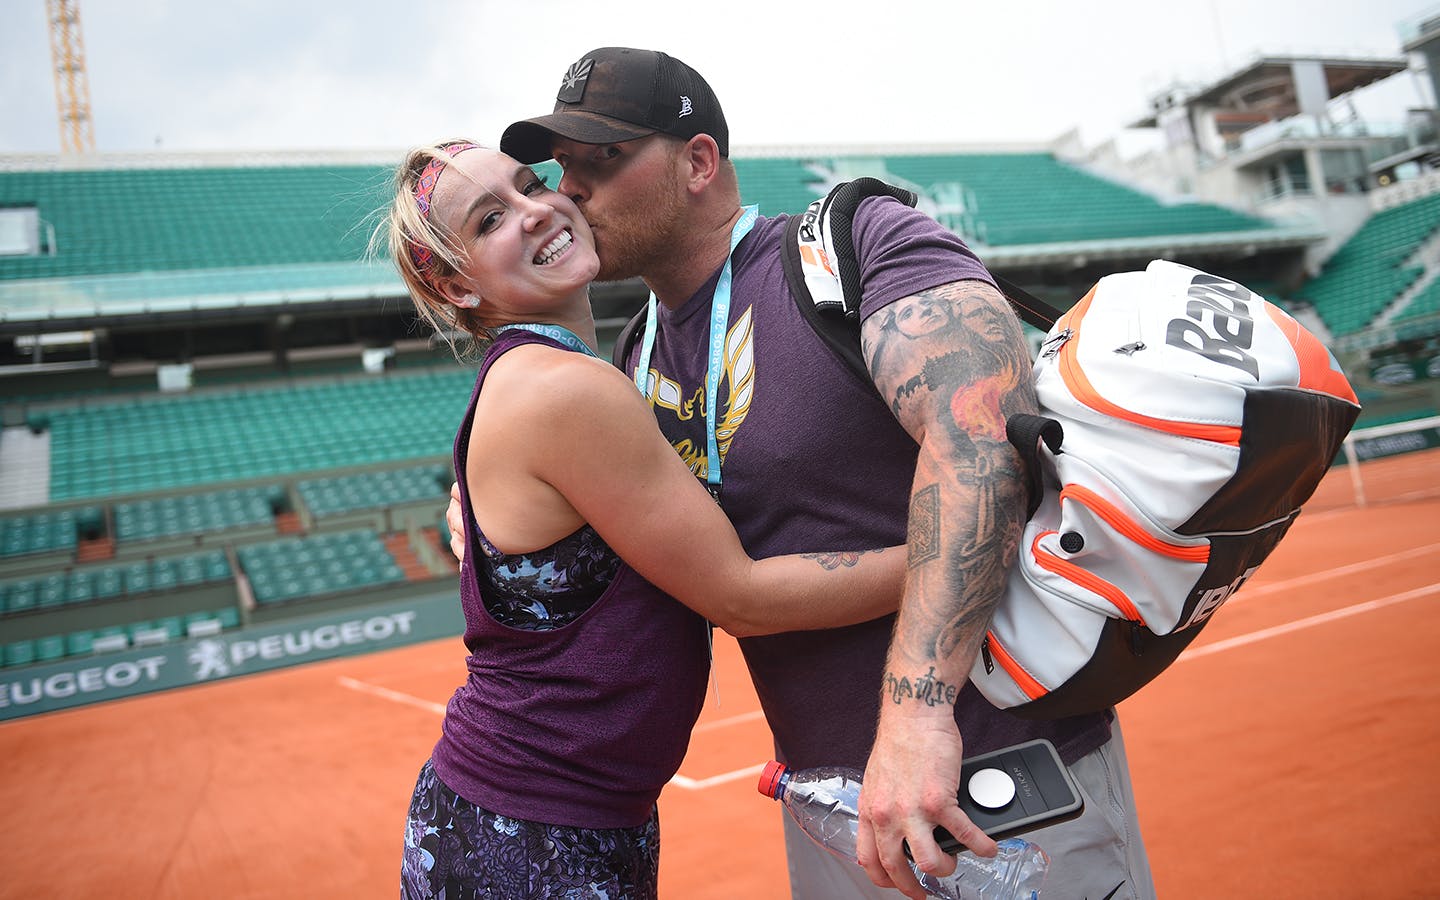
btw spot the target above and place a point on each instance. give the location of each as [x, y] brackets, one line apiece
[1014, 790]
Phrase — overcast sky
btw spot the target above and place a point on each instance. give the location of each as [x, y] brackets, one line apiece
[317, 74]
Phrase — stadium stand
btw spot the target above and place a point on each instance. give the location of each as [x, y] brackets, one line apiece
[40, 532]
[297, 569]
[122, 221]
[1370, 271]
[1034, 198]
[159, 443]
[149, 519]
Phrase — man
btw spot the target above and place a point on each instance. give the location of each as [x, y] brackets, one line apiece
[802, 455]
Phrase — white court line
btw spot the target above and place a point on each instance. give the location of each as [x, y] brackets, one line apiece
[700, 784]
[726, 723]
[1260, 590]
[386, 693]
[680, 781]
[1298, 624]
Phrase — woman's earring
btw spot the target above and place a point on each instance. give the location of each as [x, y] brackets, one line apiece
[471, 301]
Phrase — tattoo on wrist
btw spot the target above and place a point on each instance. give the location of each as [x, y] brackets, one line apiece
[926, 690]
[923, 541]
[846, 558]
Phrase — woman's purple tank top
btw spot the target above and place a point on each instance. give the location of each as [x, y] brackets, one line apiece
[582, 725]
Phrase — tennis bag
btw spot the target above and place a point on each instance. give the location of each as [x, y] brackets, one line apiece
[1183, 422]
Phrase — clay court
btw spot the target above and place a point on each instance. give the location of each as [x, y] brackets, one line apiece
[1289, 753]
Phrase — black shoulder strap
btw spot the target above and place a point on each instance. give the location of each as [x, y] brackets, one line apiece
[839, 328]
[840, 333]
[1031, 309]
[1025, 432]
[626, 339]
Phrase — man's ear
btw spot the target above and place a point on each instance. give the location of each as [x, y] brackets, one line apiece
[702, 159]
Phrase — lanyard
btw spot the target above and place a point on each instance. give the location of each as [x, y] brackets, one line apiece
[719, 322]
[558, 333]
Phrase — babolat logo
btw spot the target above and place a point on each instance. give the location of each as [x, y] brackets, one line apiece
[1211, 599]
[1217, 324]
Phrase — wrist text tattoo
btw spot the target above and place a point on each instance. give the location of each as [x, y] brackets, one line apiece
[926, 690]
[830, 561]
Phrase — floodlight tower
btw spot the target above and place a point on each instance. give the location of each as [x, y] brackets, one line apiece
[72, 87]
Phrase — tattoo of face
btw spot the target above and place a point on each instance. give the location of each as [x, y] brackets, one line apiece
[958, 337]
[926, 689]
[923, 540]
[831, 561]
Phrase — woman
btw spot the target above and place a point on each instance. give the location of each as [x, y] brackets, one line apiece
[582, 525]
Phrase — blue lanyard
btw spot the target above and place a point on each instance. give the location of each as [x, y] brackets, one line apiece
[557, 333]
[719, 322]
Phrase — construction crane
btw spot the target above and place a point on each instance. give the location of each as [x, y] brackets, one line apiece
[72, 87]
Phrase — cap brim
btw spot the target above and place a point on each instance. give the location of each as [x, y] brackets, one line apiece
[529, 141]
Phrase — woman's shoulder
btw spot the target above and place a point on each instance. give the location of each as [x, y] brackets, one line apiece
[545, 378]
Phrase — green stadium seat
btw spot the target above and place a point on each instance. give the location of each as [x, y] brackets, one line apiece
[51, 591]
[18, 653]
[81, 587]
[109, 639]
[173, 626]
[109, 582]
[137, 578]
[49, 649]
[78, 643]
[23, 596]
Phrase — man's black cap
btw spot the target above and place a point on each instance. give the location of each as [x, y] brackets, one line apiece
[616, 94]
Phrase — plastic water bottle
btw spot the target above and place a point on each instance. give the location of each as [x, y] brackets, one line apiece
[824, 802]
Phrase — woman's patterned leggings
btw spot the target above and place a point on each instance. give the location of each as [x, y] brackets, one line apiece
[455, 850]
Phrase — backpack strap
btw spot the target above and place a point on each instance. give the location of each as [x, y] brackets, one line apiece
[823, 270]
[1025, 432]
[625, 341]
[1031, 309]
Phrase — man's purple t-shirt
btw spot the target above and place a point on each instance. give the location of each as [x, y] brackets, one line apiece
[812, 460]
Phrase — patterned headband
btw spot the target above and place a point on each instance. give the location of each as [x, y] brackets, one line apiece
[421, 256]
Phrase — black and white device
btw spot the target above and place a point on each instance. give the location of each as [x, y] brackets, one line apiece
[1014, 790]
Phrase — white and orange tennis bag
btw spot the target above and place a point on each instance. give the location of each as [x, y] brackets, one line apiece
[1183, 422]
[1196, 419]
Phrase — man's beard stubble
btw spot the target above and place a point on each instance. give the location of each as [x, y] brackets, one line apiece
[643, 236]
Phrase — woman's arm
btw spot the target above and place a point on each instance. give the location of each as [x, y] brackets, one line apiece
[597, 444]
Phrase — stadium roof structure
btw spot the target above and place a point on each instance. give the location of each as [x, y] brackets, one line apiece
[151, 238]
[1266, 85]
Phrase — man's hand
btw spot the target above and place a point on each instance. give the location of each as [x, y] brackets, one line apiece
[455, 521]
[911, 785]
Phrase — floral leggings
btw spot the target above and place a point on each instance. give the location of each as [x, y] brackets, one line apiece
[454, 850]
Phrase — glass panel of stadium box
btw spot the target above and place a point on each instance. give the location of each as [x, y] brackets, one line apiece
[220, 411]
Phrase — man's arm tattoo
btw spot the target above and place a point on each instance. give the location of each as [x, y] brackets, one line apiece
[830, 561]
[923, 539]
[953, 366]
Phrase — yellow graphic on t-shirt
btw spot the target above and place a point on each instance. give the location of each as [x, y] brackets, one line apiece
[738, 376]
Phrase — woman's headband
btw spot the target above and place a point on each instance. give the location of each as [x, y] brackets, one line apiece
[424, 187]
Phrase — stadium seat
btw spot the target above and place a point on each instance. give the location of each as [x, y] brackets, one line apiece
[18, 653]
[108, 640]
[23, 596]
[49, 649]
[78, 643]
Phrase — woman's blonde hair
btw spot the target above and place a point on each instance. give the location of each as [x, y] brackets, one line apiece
[424, 252]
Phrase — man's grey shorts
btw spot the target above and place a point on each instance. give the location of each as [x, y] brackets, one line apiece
[1098, 856]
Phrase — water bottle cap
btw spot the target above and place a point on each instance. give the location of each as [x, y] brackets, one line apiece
[770, 779]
